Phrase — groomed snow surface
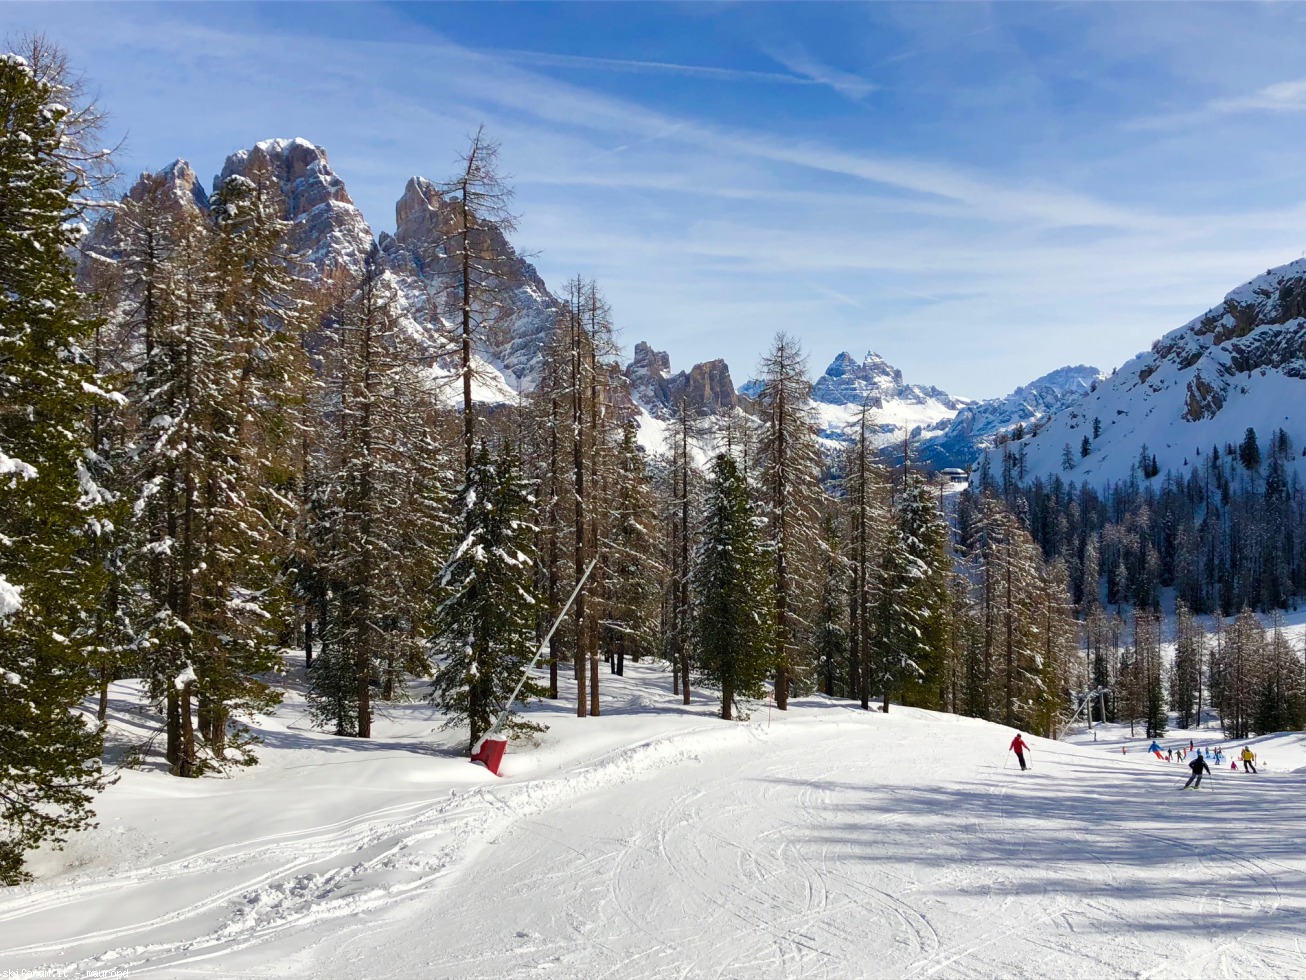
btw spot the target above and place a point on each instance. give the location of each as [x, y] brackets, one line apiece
[658, 841]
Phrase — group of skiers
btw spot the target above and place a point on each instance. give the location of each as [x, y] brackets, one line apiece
[1198, 765]
[1215, 754]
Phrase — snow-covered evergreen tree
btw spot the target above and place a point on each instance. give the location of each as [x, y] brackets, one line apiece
[632, 547]
[50, 505]
[916, 573]
[485, 622]
[732, 588]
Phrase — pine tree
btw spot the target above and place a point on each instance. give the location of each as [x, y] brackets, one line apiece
[1249, 451]
[732, 589]
[632, 544]
[920, 594]
[830, 636]
[484, 626]
[49, 503]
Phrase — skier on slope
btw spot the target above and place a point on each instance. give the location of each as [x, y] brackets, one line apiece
[1020, 747]
[1249, 759]
[1198, 766]
[1154, 747]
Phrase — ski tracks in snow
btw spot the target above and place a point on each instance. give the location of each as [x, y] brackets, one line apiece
[251, 893]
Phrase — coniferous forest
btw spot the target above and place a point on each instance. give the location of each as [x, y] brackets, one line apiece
[209, 454]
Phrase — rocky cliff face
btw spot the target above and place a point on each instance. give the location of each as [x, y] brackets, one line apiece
[418, 253]
[327, 229]
[706, 388]
[1260, 327]
[1240, 365]
[179, 185]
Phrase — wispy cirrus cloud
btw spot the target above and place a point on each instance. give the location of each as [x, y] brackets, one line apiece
[801, 62]
[1280, 97]
[545, 59]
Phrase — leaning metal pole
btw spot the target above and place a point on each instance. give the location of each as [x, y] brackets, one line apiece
[538, 653]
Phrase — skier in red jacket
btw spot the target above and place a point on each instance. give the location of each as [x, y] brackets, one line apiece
[1020, 747]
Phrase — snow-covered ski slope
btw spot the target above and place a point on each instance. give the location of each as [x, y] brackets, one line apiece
[660, 842]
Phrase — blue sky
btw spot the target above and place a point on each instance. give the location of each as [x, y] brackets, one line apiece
[980, 192]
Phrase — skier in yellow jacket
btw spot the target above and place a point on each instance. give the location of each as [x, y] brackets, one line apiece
[1249, 759]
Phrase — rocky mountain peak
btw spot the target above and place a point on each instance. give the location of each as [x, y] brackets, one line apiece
[418, 211]
[418, 253]
[179, 186]
[306, 178]
[706, 388]
[848, 381]
[328, 229]
[648, 365]
[181, 180]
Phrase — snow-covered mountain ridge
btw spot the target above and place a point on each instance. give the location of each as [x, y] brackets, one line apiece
[960, 440]
[1240, 365]
[945, 430]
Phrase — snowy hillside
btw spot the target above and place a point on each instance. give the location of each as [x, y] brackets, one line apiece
[658, 841]
[1241, 364]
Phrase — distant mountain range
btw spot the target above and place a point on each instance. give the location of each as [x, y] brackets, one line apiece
[335, 239]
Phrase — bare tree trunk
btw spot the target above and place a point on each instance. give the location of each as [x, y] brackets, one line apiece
[578, 480]
[554, 557]
[186, 756]
[682, 585]
[593, 534]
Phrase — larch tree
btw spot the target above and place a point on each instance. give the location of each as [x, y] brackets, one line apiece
[1235, 670]
[246, 497]
[680, 509]
[830, 635]
[1186, 669]
[866, 498]
[788, 471]
[481, 196]
[379, 504]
